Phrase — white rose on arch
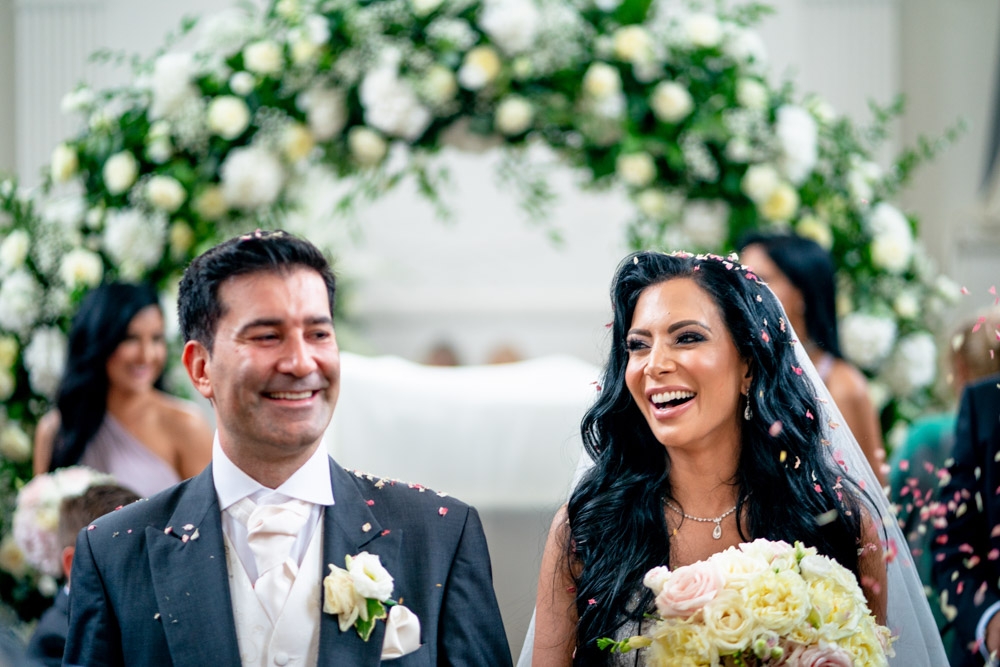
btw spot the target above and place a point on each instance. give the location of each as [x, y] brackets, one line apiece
[20, 302]
[636, 169]
[671, 102]
[263, 57]
[120, 172]
[81, 267]
[171, 84]
[165, 193]
[479, 68]
[14, 251]
[251, 177]
[514, 115]
[912, 365]
[133, 240]
[228, 116]
[366, 146]
[797, 135]
[326, 111]
[391, 105]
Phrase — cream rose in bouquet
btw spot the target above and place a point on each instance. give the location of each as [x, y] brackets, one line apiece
[762, 603]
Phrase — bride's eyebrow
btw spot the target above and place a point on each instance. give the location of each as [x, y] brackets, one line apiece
[684, 323]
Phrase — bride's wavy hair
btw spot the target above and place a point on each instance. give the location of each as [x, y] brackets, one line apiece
[787, 484]
[100, 325]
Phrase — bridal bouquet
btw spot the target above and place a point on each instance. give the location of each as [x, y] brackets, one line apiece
[763, 603]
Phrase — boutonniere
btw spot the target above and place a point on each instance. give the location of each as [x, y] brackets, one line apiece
[359, 594]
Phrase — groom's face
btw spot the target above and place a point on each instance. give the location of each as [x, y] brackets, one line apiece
[273, 374]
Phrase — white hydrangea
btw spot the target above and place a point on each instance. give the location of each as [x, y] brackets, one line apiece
[797, 134]
[171, 84]
[705, 222]
[14, 250]
[912, 365]
[134, 241]
[45, 360]
[224, 32]
[251, 177]
[326, 111]
[81, 267]
[745, 45]
[391, 105]
[867, 339]
[20, 302]
[511, 24]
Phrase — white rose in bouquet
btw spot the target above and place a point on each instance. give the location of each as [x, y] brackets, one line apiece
[391, 105]
[119, 172]
[367, 146]
[171, 84]
[165, 193]
[14, 250]
[134, 240]
[703, 30]
[15, 445]
[656, 578]
[514, 115]
[228, 116]
[636, 169]
[798, 135]
[326, 111]
[45, 360]
[912, 365]
[81, 267]
[511, 24]
[671, 102]
[64, 163]
[251, 177]
[867, 339]
[479, 68]
[20, 302]
[263, 57]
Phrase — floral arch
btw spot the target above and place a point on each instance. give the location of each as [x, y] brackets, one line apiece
[670, 103]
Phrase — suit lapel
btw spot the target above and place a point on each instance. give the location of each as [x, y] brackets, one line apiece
[187, 562]
[349, 527]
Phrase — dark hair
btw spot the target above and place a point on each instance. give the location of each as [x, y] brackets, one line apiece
[198, 304]
[98, 328]
[811, 271]
[75, 512]
[618, 530]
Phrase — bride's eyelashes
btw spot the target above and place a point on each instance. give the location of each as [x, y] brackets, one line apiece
[683, 338]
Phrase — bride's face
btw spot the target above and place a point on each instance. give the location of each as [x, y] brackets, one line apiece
[683, 371]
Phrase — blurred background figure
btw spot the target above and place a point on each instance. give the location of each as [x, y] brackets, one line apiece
[916, 466]
[48, 641]
[803, 277]
[504, 354]
[111, 414]
[442, 354]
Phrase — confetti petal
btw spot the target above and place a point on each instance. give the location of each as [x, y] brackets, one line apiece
[442, 511]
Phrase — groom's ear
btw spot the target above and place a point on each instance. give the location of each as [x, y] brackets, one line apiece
[196, 359]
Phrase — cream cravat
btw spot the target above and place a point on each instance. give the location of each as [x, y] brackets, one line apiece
[271, 533]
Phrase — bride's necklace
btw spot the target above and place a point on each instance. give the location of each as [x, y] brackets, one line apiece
[717, 531]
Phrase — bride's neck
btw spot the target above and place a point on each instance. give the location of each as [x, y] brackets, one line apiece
[703, 488]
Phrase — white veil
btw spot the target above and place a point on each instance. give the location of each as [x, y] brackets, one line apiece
[918, 642]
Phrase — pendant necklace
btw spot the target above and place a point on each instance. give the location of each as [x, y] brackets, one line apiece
[717, 531]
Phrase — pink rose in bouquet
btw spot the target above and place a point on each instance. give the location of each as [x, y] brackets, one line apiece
[688, 589]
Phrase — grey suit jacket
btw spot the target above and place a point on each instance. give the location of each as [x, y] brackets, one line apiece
[148, 591]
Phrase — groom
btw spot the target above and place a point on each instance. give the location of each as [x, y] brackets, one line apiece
[227, 568]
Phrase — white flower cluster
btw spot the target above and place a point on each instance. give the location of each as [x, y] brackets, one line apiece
[45, 359]
[912, 365]
[134, 241]
[867, 339]
[391, 105]
[892, 241]
[20, 302]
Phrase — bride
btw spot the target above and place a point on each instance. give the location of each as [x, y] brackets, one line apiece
[711, 429]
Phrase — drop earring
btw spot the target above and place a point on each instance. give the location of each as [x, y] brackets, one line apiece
[747, 412]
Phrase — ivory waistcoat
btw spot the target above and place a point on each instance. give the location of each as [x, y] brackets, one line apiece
[293, 640]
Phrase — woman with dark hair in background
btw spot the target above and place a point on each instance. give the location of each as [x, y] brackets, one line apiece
[110, 412]
[687, 462]
[803, 277]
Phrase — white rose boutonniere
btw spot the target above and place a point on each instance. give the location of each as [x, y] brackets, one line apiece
[358, 595]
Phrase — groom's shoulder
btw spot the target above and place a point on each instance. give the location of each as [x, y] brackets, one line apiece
[134, 518]
[402, 495]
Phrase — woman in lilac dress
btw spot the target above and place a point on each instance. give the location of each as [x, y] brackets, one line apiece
[111, 413]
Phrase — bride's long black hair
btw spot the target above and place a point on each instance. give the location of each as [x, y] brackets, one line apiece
[784, 481]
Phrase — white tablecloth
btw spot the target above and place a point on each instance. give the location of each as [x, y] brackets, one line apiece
[503, 436]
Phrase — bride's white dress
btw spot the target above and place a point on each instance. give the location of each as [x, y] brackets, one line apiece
[918, 642]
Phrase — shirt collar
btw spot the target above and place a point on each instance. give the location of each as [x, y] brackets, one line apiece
[311, 482]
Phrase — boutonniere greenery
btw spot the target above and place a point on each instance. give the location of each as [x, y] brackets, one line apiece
[358, 595]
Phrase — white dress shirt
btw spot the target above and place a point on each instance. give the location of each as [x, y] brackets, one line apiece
[310, 483]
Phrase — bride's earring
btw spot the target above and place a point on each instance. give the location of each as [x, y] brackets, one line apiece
[747, 412]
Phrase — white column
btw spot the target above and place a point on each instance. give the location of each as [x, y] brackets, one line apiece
[7, 87]
[54, 40]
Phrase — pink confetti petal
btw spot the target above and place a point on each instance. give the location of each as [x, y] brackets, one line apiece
[775, 429]
[442, 511]
[809, 414]
[591, 601]
[369, 502]
[964, 290]
[798, 371]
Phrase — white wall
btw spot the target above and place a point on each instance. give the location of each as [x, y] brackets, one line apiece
[7, 164]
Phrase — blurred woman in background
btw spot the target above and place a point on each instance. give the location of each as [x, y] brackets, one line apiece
[111, 413]
[803, 277]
